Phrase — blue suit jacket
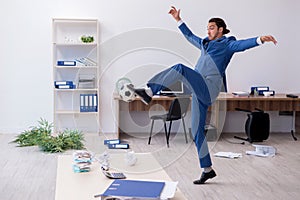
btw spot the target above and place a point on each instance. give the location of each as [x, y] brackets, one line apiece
[215, 57]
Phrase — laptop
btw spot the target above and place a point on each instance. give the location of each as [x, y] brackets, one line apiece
[173, 90]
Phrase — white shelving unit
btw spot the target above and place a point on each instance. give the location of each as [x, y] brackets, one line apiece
[69, 48]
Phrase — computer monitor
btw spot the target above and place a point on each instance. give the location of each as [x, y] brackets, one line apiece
[176, 88]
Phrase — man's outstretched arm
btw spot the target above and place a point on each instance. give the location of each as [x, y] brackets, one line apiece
[193, 39]
[268, 38]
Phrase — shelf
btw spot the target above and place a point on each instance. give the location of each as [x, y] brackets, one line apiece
[75, 44]
[70, 112]
[77, 90]
[76, 67]
[73, 21]
[68, 46]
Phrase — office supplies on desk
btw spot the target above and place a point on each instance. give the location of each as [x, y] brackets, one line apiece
[114, 175]
[82, 161]
[173, 90]
[241, 94]
[135, 188]
[259, 90]
[269, 93]
[291, 96]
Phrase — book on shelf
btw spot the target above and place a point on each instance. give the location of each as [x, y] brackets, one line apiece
[66, 63]
[64, 85]
[86, 81]
[85, 61]
[88, 103]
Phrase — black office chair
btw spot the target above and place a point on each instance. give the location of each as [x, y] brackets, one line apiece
[177, 110]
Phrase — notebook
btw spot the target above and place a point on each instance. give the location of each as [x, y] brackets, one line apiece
[135, 189]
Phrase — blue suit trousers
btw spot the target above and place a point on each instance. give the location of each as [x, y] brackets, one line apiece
[200, 102]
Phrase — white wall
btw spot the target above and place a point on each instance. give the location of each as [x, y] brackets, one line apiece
[26, 55]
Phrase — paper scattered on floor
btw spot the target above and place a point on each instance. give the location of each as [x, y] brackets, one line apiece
[169, 190]
[263, 151]
[228, 154]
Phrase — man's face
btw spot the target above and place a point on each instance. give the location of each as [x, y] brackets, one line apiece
[213, 31]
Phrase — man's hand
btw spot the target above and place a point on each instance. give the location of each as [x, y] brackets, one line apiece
[268, 38]
[175, 13]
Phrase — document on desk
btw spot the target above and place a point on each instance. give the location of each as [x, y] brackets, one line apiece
[134, 189]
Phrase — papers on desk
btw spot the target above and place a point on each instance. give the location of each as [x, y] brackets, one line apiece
[241, 94]
[138, 189]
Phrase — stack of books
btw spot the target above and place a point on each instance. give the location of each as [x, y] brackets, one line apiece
[86, 81]
[262, 90]
[82, 161]
[64, 85]
[85, 61]
[116, 144]
[88, 103]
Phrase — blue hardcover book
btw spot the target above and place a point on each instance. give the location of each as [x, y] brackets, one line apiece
[113, 141]
[86, 103]
[82, 103]
[56, 83]
[90, 104]
[259, 89]
[135, 189]
[65, 86]
[66, 63]
[95, 103]
[118, 146]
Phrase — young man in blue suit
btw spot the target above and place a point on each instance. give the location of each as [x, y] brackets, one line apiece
[205, 81]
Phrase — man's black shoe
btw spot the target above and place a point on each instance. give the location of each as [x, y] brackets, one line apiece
[141, 93]
[205, 176]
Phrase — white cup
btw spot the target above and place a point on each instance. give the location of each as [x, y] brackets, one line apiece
[130, 158]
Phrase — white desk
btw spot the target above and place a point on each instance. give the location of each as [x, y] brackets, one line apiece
[83, 186]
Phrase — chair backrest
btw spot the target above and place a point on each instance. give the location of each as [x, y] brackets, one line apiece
[178, 108]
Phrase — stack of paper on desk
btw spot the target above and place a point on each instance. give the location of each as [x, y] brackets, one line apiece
[241, 94]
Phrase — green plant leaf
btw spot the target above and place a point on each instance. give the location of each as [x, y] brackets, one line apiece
[41, 136]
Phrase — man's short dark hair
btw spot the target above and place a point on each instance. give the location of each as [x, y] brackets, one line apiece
[220, 23]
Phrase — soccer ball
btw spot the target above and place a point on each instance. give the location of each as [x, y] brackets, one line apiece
[126, 94]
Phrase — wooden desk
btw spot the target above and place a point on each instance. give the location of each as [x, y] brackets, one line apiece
[279, 102]
[137, 105]
[83, 186]
[225, 102]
